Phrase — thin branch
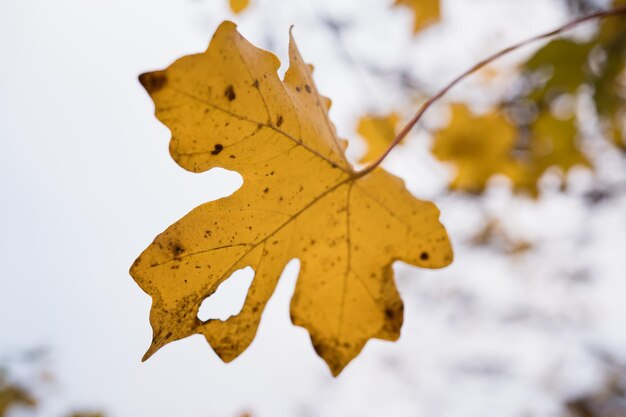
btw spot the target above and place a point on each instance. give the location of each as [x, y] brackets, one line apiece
[597, 15]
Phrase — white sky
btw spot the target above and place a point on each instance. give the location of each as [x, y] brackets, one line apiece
[86, 182]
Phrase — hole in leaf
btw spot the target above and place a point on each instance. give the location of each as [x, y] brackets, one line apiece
[229, 297]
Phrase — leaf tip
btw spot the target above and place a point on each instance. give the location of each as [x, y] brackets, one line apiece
[334, 359]
[226, 25]
[135, 266]
[293, 48]
[151, 351]
[158, 341]
[335, 371]
[153, 81]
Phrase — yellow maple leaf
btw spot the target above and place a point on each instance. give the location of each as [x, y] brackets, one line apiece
[378, 132]
[300, 198]
[238, 6]
[478, 147]
[426, 12]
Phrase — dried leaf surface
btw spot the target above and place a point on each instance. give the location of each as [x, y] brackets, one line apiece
[300, 198]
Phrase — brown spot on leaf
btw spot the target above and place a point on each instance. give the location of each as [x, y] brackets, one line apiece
[230, 93]
[424, 256]
[279, 120]
[177, 249]
[217, 149]
[307, 88]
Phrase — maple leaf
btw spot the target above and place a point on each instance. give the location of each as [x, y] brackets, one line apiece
[426, 12]
[300, 198]
[378, 132]
[477, 146]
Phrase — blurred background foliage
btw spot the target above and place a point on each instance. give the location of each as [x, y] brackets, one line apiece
[26, 380]
[540, 123]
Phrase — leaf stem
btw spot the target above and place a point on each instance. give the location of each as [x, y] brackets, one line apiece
[428, 103]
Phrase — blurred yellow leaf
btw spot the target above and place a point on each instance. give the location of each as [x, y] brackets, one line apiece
[238, 6]
[378, 132]
[12, 395]
[477, 146]
[426, 12]
[480, 147]
[300, 198]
